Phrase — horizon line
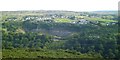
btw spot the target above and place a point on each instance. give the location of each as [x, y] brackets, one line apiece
[59, 10]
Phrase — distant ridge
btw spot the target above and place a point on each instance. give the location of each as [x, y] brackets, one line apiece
[106, 12]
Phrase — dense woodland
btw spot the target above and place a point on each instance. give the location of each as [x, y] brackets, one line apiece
[67, 40]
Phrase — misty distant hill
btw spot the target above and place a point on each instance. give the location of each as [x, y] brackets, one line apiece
[106, 12]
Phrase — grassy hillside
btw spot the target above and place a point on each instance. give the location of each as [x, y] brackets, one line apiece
[44, 53]
[59, 35]
[100, 19]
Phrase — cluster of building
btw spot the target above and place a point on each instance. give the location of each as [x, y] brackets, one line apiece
[50, 18]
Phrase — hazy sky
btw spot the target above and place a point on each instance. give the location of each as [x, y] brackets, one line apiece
[71, 5]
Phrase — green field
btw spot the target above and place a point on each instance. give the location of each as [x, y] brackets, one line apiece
[63, 20]
[44, 53]
[0, 54]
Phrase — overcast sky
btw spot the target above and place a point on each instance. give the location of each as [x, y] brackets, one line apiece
[71, 5]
